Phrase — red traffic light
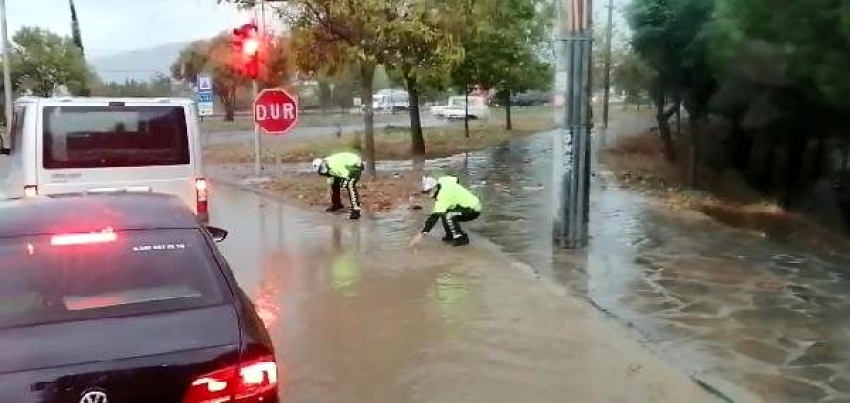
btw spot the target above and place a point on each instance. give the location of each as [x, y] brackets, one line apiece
[250, 46]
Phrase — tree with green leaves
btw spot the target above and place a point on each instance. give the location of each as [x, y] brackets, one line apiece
[78, 41]
[422, 50]
[157, 86]
[631, 74]
[505, 45]
[215, 56]
[43, 62]
[329, 35]
[672, 36]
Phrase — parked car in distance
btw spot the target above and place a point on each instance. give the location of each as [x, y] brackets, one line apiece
[124, 297]
[456, 108]
[66, 144]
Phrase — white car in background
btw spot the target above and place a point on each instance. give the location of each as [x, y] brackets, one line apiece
[457, 109]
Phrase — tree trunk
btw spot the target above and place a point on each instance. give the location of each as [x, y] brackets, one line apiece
[694, 121]
[466, 111]
[229, 103]
[417, 141]
[507, 100]
[325, 96]
[367, 78]
[663, 119]
[797, 147]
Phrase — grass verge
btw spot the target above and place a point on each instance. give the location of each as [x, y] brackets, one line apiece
[217, 124]
[381, 194]
[639, 163]
[391, 143]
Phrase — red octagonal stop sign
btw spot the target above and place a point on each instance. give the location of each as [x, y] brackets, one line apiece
[275, 111]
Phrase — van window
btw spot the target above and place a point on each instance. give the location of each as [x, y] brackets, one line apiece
[114, 136]
[17, 129]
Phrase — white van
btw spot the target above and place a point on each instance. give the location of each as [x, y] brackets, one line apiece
[72, 145]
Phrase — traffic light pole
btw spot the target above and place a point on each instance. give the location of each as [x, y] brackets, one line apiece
[575, 41]
[606, 103]
[7, 73]
[258, 164]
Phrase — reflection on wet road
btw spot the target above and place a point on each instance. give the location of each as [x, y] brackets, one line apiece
[725, 304]
[742, 313]
[358, 318]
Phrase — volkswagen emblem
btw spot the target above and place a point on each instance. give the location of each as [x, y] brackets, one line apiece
[94, 396]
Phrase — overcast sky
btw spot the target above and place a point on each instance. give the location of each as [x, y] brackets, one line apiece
[112, 26]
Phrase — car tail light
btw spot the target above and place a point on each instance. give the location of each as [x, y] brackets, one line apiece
[251, 381]
[86, 238]
[201, 196]
[30, 191]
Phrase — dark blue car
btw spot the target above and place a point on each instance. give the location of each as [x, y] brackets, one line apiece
[123, 298]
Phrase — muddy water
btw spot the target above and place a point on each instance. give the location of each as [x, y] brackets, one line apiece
[745, 314]
[356, 317]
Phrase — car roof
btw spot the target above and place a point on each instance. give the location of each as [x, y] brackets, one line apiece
[91, 212]
[104, 100]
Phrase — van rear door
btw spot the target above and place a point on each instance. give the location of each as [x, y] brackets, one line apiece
[117, 145]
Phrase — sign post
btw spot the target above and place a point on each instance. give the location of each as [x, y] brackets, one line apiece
[205, 95]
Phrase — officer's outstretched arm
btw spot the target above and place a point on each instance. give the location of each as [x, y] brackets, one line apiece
[431, 222]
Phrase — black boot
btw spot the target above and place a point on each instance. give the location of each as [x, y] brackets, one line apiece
[354, 215]
[462, 240]
[334, 208]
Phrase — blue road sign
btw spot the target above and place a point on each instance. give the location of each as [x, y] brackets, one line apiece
[205, 95]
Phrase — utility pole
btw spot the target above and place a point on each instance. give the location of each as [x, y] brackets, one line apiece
[255, 90]
[573, 146]
[609, 34]
[7, 68]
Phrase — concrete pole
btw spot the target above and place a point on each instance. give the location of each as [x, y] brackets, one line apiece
[575, 39]
[7, 68]
[258, 163]
[607, 96]
[255, 89]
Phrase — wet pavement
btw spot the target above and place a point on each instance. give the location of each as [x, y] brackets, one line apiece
[357, 317]
[743, 313]
[753, 318]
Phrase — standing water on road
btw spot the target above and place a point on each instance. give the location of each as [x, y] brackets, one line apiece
[743, 313]
[356, 317]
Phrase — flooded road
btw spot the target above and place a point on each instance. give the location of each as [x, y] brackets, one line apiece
[745, 314]
[357, 317]
[756, 319]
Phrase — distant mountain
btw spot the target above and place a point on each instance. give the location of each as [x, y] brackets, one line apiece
[138, 64]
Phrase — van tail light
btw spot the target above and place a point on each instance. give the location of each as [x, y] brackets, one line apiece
[252, 381]
[30, 191]
[201, 196]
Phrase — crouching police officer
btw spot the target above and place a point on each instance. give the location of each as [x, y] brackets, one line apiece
[343, 170]
[453, 205]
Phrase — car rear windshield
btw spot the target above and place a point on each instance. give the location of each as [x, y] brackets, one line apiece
[114, 136]
[81, 276]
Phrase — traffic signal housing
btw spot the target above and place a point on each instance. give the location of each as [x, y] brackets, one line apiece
[246, 49]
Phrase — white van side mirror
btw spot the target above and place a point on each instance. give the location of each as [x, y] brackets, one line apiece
[218, 234]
